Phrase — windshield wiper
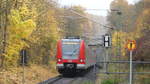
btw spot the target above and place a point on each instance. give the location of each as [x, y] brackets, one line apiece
[74, 51]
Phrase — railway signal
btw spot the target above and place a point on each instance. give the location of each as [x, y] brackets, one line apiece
[107, 40]
[131, 45]
[107, 44]
[23, 62]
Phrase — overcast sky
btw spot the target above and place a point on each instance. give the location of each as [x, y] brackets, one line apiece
[92, 4]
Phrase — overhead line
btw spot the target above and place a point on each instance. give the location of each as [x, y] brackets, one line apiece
[90, 19]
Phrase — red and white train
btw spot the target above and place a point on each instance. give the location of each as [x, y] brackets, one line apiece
[74, 55]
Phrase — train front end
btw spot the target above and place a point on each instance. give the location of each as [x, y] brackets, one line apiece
[70, 55]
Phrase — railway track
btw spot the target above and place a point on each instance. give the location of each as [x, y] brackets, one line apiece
[59, 80]
[78, 79]
[51, 80]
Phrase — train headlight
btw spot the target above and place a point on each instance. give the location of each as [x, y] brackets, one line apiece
[59, 60]
[81, 60]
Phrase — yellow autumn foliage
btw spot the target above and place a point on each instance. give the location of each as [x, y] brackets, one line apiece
[19, 29]
[119, 40]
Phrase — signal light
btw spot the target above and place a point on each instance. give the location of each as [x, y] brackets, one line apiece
[107, 40]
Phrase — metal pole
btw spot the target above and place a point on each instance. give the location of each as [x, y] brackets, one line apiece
[95, 66]
[130, 80]
[106, 60]
[23, 80]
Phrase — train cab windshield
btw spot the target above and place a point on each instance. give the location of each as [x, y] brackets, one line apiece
[70, 49]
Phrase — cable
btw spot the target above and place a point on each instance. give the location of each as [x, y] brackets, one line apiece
[90, 19]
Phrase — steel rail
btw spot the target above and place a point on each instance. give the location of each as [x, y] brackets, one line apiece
[56, 79]
[51, 80]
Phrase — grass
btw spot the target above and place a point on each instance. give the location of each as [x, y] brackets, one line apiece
[110, 81]
[88, 82]
[33, 74]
